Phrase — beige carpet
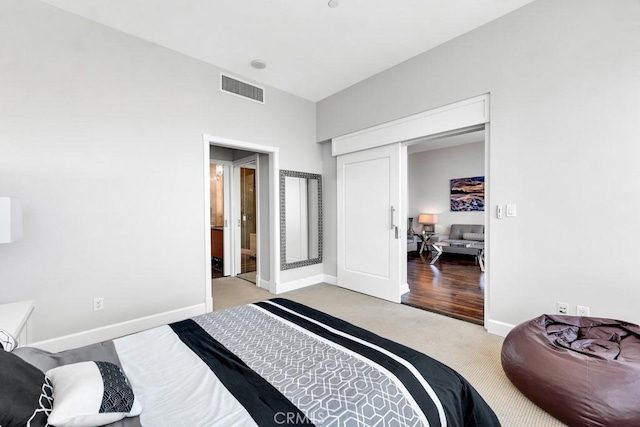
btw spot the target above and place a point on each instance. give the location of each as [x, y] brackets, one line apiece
[465, 347]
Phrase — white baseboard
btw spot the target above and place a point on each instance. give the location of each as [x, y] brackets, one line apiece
[404, 289]
[109, 332]
[264, 284]
[303, 283]
[498, 328]
[332, 280]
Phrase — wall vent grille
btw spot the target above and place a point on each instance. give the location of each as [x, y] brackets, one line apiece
[238, 87]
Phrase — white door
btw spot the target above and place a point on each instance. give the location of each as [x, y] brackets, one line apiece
[244, 221]
[226, 246]
[371, 229]
[236, 222]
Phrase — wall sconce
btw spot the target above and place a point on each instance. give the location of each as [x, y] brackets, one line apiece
[428, 222]
[10, 220]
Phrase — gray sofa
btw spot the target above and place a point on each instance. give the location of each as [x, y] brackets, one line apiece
[412, 243]
[463, 234]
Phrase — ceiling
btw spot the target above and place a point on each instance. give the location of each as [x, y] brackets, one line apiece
[311, 50]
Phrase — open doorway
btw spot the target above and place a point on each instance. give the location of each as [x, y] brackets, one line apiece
[452, 119]
[261, 228]
[219, 201]
[449, 280]
[233, 189]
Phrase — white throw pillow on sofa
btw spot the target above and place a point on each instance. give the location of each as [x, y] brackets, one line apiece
[473, 236]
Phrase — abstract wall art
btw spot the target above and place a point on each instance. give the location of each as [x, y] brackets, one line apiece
[467, 194]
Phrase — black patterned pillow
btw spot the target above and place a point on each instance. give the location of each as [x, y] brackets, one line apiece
[90, 394]
[25, 393]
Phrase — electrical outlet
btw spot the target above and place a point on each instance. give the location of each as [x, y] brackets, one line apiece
[98, 304]
[582, 310]
[562, 307]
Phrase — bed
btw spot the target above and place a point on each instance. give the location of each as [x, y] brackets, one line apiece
[275, 362]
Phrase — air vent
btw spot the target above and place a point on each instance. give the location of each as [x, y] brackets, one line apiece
[240, 88]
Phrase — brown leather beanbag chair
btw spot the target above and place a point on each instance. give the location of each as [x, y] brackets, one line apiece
[585, 371]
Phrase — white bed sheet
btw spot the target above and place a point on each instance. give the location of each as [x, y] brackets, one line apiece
[179, 390]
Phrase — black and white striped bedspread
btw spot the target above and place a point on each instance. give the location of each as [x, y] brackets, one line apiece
[281, 363]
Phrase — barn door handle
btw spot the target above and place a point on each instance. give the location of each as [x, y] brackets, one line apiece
[393, 210]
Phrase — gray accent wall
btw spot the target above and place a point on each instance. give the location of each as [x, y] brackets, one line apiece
[563, 81]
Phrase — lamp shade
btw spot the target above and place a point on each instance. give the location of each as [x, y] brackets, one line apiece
[428, 219]
[10, 220]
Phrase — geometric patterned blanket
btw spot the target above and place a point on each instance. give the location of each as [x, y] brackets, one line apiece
[336, 374]
[279, 362]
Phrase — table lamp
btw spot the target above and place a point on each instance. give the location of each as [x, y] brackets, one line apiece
[428, 222]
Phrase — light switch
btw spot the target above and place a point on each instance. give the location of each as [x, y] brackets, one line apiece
[511, 210]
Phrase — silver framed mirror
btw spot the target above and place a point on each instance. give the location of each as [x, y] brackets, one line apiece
[300, 219]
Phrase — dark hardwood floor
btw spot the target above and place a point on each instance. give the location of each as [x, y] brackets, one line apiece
[454, 286]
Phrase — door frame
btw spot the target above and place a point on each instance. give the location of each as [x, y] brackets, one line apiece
[274, 213]
[449, 118]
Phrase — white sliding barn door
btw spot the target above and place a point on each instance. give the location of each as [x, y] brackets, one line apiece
[371, 224]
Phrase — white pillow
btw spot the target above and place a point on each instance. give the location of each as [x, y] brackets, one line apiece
[473, 236]
[90, 394]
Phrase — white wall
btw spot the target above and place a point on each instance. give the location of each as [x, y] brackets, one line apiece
[428, 181]
[563, 79]
[101, 140]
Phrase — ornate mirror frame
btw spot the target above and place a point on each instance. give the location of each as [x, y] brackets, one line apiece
[284, 265]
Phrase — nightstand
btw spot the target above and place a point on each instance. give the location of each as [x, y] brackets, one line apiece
[14, 318]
